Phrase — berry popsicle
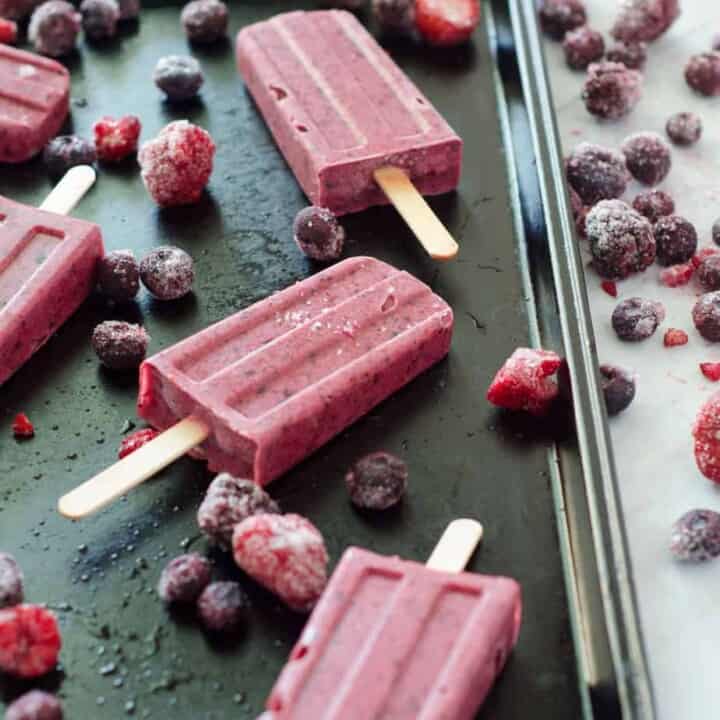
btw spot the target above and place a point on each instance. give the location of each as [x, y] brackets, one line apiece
[352, 126]
[34, 102]
[47, 267]
[265, 388]
[395, 639]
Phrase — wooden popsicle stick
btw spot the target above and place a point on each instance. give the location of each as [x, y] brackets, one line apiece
[456, 546]
[133, 469]
[70, 190]
[419, 216]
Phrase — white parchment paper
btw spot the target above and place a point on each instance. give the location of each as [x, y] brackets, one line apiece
[679, 604]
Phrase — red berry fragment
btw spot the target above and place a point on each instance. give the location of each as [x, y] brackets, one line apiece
[711, 370]
[133, 442]
[527, 381]
[35, 705]
[8, 31]
[286, 554]
[674, 337]
[611, 90]
[447, 22]
[707, 439]
[677, 275]
[184, 578]
[29, 641]
[609, 287]
[116, 139]
[22, 427]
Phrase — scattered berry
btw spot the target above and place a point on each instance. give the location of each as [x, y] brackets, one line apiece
[286, 554]
[637, 319]
[377, 481]
[318, 234]
[609, 287]
[67, 151]
[701, 255]
[116, 139]
[702, 73]
[134, 442]
[644, 20]
[29, 641]
[54, 27]
[711, 370]
[129, 9]
[35, 705]
[618, 386]
[675, 240]
[22, 427]
[99, 18]
[674, 338]
[184, 578]
[647, 157]
[167, 272]
[596, 173]
[11, 581]
[205, 21]
[8, 31]
[119, 276]
[527, 381]
[177, 164]
[221, 605]
[611, 90]
[395, 17]
[654, 204]
[696, 536]
[180, 77]
[708, 273]
[559, 16]
[707, 439]
[447, 22]
[621, 240]
[228, 501]
[706, 316]
[631, 55]
[120, 345]
[684, 128]
[716, 232]
[677, 275]
[582, 47]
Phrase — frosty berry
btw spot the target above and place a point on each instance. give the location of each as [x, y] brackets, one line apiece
[611, 90]
[167, 272]
[618, 386]
[120, 345]
[675, 239]
[447, 22]
[696, 536]
[596, 173]
[377, 481]
[184, 578]
[637, 319]
[116, 139]
[11, 581]
[29, 641]
[318, 234]
[221, 605]
[582, 47]
[119, 276]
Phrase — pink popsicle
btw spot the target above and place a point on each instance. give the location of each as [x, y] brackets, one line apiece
[340, 109]
[34, 102]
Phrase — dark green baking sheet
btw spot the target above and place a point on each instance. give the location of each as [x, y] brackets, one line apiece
[120, 645]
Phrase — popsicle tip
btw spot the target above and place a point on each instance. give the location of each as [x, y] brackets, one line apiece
[68, 508]
[82, 172]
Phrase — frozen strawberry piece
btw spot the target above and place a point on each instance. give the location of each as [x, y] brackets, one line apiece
[711, 370]
[286, 554]
[133, 442]
[116, 139]
[707, 439]
[527, 381]
[702, 254]
[29, 641]
[22, 427]
[609, 287]
[447, 22]
[8, 31]
[677, 275]
[674, 337]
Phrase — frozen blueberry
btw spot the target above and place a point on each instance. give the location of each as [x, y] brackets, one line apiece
[319, 234]
[716, 232]
[180, 77]
[675, 239]
[696, 536]
[11, 581]
[184, 578]
[618, 386]
[611, 90]
[596, 173]
[54, 27]
[647, 157]
[35, 705]
[637, 319]
[100, 18]
[377, 481]
[706, 316]
[119, 276]
[67, 151]
[582, 46]
[631, 55]
[167, 272]
[621, 240]
[205, 21]
[708, 273]
[395, 16]
[654, 204]
[221, 605]
[559, 16]
[129, 9]
[702, 73]
[120, 345]
[684, 128]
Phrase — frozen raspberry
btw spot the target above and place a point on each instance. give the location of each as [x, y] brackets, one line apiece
[706, 316]
[395, 17]
[319, 234]
[702, 254]
[167, 272]
[205, 21]
[377, 481]
[684, 128]
[609, 287]
[29, 641]
[11, 581]
[129, 9]
[711, 370]
[180, 77]
[621, 240]
[596, 173]
[677, 275]
[582, 47]
[527, 381]
[696, 536]
[286, 554]
[644, 20]
[221, 605]
[119, 276]
[54, 27]
[631, 55]
[116, 139]
[647, 157]
[707, 439]
[120, 345]
[702, 73]
[35, 705]
[22, 427]
[618, 386]
[99, 18]
[67, 151]
[8, 31]
[447, 22]
[228, 501]
[184, 578]
[637, 319]
[611, 90]
[708, 273]
[134, 442]
[559, 16]
[654, 204]
[177, 164]
[675, 239]
[675, 337]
